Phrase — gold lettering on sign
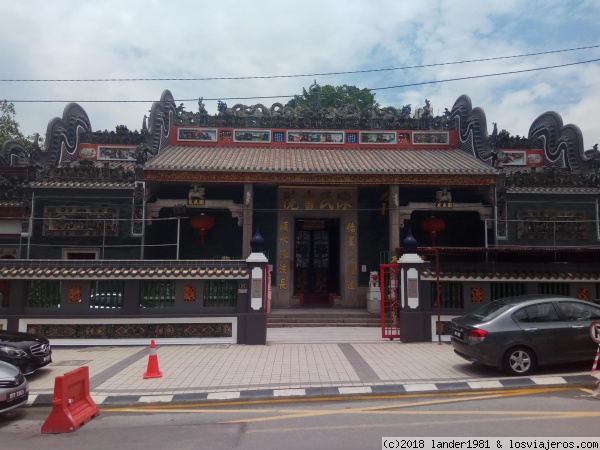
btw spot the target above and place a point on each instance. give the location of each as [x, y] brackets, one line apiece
[326, 201]
[351, 241]
[351, 228]
[343, 200]
[282, 284]
[443, 205]
[283, 254]
[352, 285]
[283, 269]
[351, 254]
[283, 240]
[351, 269]
[309, 201]
[284, 225]
[289, 201]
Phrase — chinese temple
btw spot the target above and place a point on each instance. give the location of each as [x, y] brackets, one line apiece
[333, 192]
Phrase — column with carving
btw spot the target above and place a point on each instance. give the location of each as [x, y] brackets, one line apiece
[395, 220]
[248, 206]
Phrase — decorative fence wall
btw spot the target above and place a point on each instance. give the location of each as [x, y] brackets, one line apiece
[128, 302]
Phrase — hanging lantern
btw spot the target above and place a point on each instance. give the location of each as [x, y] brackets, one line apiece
[433, 225]
[202, 223]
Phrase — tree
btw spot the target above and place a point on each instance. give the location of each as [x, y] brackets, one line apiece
[9, 128]
[337, 96]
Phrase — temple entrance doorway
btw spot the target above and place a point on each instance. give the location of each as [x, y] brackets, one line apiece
[316, 261]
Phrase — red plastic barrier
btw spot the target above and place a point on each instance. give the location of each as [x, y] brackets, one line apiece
[72, 405]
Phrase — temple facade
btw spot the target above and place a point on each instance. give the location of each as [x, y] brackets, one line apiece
[332, 191]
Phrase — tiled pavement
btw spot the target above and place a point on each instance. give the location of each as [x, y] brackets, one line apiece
[295, 362]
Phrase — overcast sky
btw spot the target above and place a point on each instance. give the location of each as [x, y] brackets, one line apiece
[176, 39]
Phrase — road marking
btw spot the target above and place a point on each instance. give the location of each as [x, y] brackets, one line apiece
[272, 401]
[288, 392]
[379, 409]
[548, 380]
[484, 384]
[223, 395]
[186, 410]
[99, 399]
[420, 387]
[355, 390]
[410, 426]
[589, 391]
[323, 412]
[155, 398]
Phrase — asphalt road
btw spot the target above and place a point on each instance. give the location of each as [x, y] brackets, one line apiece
[328, 423]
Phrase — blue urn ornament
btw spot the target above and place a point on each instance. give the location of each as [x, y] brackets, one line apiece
[257, 243]
[409, 243]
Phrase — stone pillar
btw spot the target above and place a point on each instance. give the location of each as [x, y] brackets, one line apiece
[16, 304]
[415, 318]
[395, 218]
[253, 329]
[269, 290]
[248, 203]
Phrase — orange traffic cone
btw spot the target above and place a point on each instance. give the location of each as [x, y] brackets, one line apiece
[152, 371]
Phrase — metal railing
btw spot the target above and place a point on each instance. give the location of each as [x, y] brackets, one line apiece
[220, 293]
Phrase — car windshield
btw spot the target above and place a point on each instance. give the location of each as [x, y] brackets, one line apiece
[489, 311]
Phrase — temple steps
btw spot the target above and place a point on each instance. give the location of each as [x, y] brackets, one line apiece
[322, 317]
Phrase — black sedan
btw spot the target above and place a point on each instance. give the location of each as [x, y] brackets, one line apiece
[26, 351]
[519, 333]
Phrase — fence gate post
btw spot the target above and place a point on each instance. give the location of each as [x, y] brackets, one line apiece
[415, 318]
[255, 316]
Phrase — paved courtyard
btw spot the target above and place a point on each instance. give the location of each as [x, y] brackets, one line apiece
[295, 362]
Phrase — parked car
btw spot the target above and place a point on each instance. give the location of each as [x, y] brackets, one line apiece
[14, 389]
[26, 351]
[519, 333]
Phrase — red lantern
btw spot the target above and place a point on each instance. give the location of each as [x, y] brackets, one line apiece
[202, 223]
[433, 225]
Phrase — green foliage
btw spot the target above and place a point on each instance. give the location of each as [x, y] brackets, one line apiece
[337, 96]
[506, 141]
[9, 127]
[121, 135]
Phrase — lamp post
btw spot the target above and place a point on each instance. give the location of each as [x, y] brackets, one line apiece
[433, 225]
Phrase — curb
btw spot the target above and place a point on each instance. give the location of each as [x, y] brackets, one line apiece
[311, 392]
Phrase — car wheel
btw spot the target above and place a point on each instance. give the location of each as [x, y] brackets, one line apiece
[519, 361]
